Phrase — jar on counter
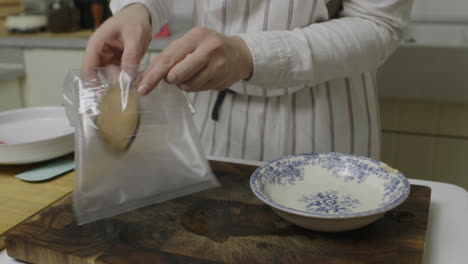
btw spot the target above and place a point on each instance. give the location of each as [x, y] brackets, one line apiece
[62, 16]
[92, 12]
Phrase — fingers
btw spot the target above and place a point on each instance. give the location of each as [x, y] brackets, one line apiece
[90, 58]
[211, 84]
[187, 68]
[197, 82]
[131, 58]
[111, 75]
[204, 80]
[163, 63]
[121, 40]
[136, 41]
[100, 51]
[90, 61]
[132, 53]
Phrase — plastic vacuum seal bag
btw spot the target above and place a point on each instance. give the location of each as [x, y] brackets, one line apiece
[131, 150]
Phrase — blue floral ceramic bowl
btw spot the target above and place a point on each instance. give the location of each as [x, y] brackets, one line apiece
[329, 192]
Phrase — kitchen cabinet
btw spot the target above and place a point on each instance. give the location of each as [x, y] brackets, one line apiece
[426, 139]
[11, 78]
[430, 65]
[45, 71]
[10, 94]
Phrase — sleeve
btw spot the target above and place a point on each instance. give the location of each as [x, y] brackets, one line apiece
[364, 35]
[158, 9]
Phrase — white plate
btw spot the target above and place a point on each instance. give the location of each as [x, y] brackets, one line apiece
[34, 134]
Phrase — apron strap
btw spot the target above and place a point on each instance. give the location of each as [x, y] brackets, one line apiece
[219, 102]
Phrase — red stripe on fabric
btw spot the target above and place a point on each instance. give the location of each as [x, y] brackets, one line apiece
[288, 27]
[223, 17]
[223, 30]
[374, 83]
[262, 130]
[213, 138]
[246, 123]
[207, 114]
[312, 11]
[290, 11]
[265, 28]
[228, 142]
[312, 114]
[364, 87]
[350, 115]
[265, 16]
[379, 142]
[246, 16]
[293, 110]
[331, 121]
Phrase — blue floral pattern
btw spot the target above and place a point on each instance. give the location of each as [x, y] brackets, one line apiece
[329, 202]
[289, 170]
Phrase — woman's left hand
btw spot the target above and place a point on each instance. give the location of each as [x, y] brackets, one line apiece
[200, 60]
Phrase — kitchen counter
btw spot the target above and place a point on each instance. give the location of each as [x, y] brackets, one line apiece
[78, 39]
[447, 233]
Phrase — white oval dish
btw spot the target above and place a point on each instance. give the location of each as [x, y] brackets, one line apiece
[34, 134]
[329, 192]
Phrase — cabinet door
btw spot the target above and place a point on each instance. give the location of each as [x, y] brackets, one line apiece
[45, 71]
[10, 95]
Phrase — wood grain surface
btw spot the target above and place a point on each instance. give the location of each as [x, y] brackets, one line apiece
[222, 225]
[20, 200]
[10, 7]
[84, 33]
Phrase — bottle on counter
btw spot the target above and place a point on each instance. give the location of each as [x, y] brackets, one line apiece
[62, 16]
[92, 12]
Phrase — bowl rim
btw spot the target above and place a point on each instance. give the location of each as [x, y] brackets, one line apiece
[380, 210]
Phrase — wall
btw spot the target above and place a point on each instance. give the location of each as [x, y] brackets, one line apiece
[423, 10]
[437, 10]
[182, 8]
[426, 73]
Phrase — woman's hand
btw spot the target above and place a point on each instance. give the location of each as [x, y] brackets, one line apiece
[201, 60]
[121, 40]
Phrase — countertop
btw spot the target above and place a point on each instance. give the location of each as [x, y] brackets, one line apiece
[78, 39]
[416, 35]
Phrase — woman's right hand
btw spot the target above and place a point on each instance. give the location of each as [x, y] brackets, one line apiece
[121, 40]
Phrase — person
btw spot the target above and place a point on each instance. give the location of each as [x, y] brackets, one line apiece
[267, 77]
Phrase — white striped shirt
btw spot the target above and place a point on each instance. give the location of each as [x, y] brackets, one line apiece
[313, 86]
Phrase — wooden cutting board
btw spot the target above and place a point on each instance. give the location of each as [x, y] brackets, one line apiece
[223, 225]
[20, 200]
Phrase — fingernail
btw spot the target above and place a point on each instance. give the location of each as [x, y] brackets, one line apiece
[143, 88]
